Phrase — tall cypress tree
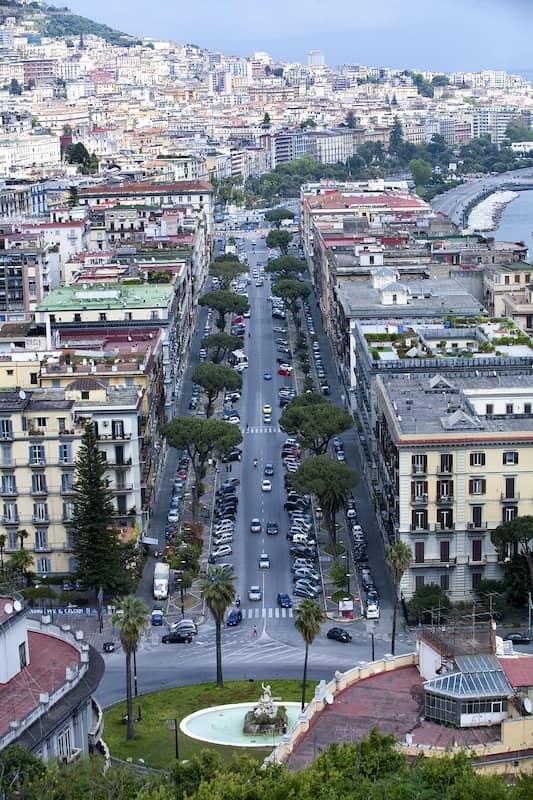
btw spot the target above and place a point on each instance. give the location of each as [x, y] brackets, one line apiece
[96, 545]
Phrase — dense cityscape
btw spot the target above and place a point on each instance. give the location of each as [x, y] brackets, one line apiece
[266, 427]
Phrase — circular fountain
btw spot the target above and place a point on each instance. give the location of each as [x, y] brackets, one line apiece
[260, 724]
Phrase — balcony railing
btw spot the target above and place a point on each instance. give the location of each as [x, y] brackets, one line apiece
[418, 469]
[433, 562]
[445, 499]
[40, 519]
[444, 470]
[119, 464]
[37, 462]
[476, 526]
[419, 499]
[9, 492]
[477, 562]
[444, 527]
[10, 519]
[419, 528]
[507, 498]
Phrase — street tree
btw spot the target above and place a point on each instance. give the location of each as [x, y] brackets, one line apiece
[396, 139]
[3, 541]
[291, 291]
[421, 171]
[218, 590]
[514, 537]
[19, 767]
[19, 565]
[350, 120]
[99, 554]
[266, 120]
[429, 601]
[400, 556]
[285, 266]
[308, 620]
[226, 271]
[314, 421]
[331, 482]
[22, 535]
[201, 438]
[130, 618]
[224, 303]
[220, 344]
[279, 240]
[213, 378]
[277, 215]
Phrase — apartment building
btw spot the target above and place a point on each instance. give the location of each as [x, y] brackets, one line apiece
[21, 198]
[23, 153]
[454, 462]
[24, 273]
[507, 292]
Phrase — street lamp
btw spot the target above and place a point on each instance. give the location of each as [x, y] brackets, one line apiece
[348, 576]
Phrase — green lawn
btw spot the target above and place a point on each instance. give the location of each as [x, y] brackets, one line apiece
[154, 734]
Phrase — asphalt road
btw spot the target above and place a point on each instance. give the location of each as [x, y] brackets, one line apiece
[278, 650]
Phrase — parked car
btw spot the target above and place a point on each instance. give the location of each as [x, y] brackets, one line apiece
[156, 616]
[284, 601]
[185, 626]
[339, 635]
[517, 638]
[233, 455]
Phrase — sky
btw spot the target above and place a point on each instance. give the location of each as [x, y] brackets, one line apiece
[437, 35]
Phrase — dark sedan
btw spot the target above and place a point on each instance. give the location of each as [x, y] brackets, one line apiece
[339, 635]
[177, 637]
[234, 617]
[517, 638]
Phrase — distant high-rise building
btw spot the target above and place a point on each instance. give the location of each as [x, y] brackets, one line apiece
[315, 58]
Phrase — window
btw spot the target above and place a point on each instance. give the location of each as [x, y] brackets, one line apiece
[527, 408]
[43, 566]
[419, 582]
[61, 424]
[444, 519]
[477, 459]
[41, 422]
[477, 486]
[41, 539]
[510, 489]
[6, 454]
[121, 504]
[444, 490]
[102, 316]
[489, 409]
[9, 484]
[477, 517]
[67, 482]
[506, 279]
[510, 457]
[34, 378]
[128, 316]
[12, 540]
[476, 549]
[445, 551]
[85, 395]
[6, 429]
[446, 462]
[419, 490]
[64, 744]
[65, 454]
[77, 317]
[40, 512]
[419, 520]
[38, 483]
[68, 511]
[445, 582]
[476, 580]
[420, 463]
[117, 428]
[37, 454]
[23, 659]
[509, 408]
[11, 515]
[509, 513]
[420, 548]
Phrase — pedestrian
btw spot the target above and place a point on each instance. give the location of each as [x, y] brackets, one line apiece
[254, 632]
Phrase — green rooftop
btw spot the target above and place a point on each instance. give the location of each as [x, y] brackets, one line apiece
[108, 295]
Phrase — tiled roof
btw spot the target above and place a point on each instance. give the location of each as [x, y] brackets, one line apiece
[518, 669]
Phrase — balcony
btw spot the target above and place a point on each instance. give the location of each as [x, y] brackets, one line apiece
[476, 526]
[419, 529]
[418, 469]
[9, 491]
[433, 562]
[67, 490]
[37, 492]
[477, 562]
[113, 437]
[66, 461]
[507, 498]
[445, 500]
[37, 463]
[8, 463]
[444, 470]
[6, 436]
[419, 500]
[10, 519]
[40, 519]
[444, 527]
[126, 487]
[124, 464]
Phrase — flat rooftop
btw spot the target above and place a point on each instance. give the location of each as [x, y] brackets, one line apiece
[426, 403]
[427, 298]
[392, 701]
[110, 295]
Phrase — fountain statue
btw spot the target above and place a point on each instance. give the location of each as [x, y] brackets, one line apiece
[265, 717]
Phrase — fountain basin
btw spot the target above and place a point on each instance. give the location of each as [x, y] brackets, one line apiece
[223, 725]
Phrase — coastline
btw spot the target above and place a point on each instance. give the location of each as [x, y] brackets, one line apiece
[486, 215]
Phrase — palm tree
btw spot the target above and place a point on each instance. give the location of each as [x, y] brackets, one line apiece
[400, 556]
[332, 501]
[218, 590]
[130, 617]
[309, 618]
[22, 534]
[3, 540]
[20, 563]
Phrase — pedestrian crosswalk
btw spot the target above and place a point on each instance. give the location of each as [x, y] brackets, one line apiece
[264, 429]
[266, 613]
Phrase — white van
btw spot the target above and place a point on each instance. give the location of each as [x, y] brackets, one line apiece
[372, 611]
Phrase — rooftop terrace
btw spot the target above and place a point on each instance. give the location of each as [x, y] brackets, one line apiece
[108, 295]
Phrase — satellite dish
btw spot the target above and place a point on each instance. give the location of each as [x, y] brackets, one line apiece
[528, 705]
[328, 698]
[22, 394]
[17, 605]
[8, 608]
